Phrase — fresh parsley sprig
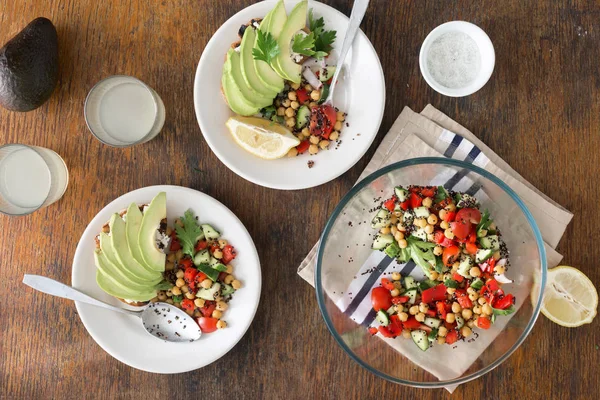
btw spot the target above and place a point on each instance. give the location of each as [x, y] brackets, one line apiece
[304, 44]
[188, 234]
[266, 48]
[323, 40]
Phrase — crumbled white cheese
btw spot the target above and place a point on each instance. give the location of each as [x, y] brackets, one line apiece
[124, 217]
[295, 56]
[162, 241]
[256, 24]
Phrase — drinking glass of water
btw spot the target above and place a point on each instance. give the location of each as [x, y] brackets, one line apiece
[122, 111]
[31, 177]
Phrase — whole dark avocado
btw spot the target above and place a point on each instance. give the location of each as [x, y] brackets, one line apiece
[29, 66]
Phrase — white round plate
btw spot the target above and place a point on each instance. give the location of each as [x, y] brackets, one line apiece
[360, 92]
[123, 336]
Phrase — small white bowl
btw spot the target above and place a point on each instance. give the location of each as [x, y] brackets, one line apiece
[486, 50]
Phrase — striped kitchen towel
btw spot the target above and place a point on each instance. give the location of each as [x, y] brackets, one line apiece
[436, 135]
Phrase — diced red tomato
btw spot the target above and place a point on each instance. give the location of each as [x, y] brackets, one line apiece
[435, 293]
[213, 247]
[404, 205]
[190, 274]
[431, 312]
[471, 215]
[452, 336]
[441, 309]
[201, 245]
[187, 304]
[303, 146]
[372, 330]
[385, 332]
[450, 255]
[458, 277]
[302, 96]
[322, 120]
[381, 299]
[472, 237]
[229, 254]
[207, 324]
[471, 248]
[415, 200]
[461, 229]
[175, 245]
[463, 299]
[504, 302]
[400, 299]
[449, 217]
[492, 285]
[209, 307]
[386, 283]
[390, 203]
[395, 325]
[483, 323]
[450, 326]
[186, 263]
[428, 192]
[411, 323]
[200, 277]
[442, 240]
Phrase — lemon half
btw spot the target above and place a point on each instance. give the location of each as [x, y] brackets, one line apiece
[263, 138]
[570, 298]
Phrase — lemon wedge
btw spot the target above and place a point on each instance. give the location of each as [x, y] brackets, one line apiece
[263, 138]
[570, 298]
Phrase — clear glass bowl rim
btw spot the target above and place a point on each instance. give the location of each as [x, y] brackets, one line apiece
[421, 161]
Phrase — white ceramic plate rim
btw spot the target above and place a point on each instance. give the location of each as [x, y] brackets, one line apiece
[207, 60]
[250, 293]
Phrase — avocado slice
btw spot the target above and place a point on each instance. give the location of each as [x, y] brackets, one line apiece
[132, 232]
[110, 266]
[247, 65]
[29, 66]
[232, 92]
[118, 240]
[249, 94]
[283, 64]
[114, 288]
[156, 212]
[265, 73]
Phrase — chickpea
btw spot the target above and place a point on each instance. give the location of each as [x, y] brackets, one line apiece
[306, 132]
[477, 309]
[171, 257]
[450, 318]
[499, 269]
[229, 268]
[441, 340]
[430, 237]
[396, 276]
[403, 316]
[492, 226]
[471, 323]
[470, 290]
[496, 256]
[482, 301]
[169, 231]
[292, 95]
[393, 230]
[295, 105]
[199, 303]
[395, 292]
[401, 228]
[334, 135]
[473, 296]
[423, 307]
[222, 243]
[290, 112]
[308, 88]
[176, 291]
[281, 111]
[433, 275]
[450, 290]
[228, 279]
[402, 243]
[429, 229]
[178, 255]
[432, 219]
[438, 250]
[394, 220]
[467, 314]
[313, 104]
[169, 266]
[456, 308]
[295, 86]
[180, 274]
[180, 282]
[293, 152]
[422, 222]
[206, 284]
[442, 331]
[169, 301]
[217, 314]
[427, 202]
[314, 139]
[450, 207]
[286, 103]
[154, 299]
[340, 116]
[236, 284]
[449, 234]
[161, 296]
[221, 324]
[313, 149]
[487, 309]
[324, 144]
[466, 331]
[475, 272]
[190, 295]
[218, 254]
[290, 122]
[406, 334]
[222, 306]
[443, 213]
[420, 317]
[338, 126]
[385, 231]
[444, 225]
[413, 310]
[315, 95]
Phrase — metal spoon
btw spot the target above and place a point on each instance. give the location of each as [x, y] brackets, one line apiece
[161, 320]
[359, 8]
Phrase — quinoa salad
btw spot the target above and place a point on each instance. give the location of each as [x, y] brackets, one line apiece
[460, 251]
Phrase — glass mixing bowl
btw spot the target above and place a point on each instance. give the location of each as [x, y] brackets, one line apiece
[346, 246]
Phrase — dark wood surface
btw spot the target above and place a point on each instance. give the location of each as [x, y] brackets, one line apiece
[540, 112]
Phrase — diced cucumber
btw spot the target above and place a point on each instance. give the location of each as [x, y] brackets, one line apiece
[226, 290]
[202, 257]
[420, 338]
[324, 94]
[212, 273]
[213, 261]
[412, 295]
[467, 201]
[392, 250]
[490, 242]
[420, 234]
[427, 284]
[483, 254]
[432, 322]
[209, 294]
[410, 283]
[302, 117]
[220, 267]
[381, 219]
[401, 193]
[381, 241]
[382, 318]
[421, 212]
[460, 322]
[432, 335]
[326, 73]
[477, 284]
[210, 233]
[391, 310]
[408, 218]
[465, 267]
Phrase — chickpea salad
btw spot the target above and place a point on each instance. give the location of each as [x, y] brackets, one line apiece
[281, 71]
[462, 254]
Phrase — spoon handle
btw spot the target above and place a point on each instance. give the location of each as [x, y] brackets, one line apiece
[55, 288]
[359, 8]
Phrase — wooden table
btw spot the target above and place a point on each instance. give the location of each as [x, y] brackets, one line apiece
[540, 112]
